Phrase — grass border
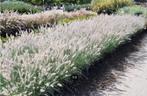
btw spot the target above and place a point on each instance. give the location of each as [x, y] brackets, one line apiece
[76, 80]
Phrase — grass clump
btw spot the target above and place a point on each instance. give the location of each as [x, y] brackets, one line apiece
[133, 10]
[108, 6]
[37, 64]
[19, 7]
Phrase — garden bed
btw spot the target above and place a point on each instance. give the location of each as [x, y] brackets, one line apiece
[38, 64]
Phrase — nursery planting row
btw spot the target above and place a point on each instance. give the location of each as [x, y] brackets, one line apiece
[37, 64]
[11, 22]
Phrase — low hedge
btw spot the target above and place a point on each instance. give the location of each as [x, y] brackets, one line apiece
[19, 6]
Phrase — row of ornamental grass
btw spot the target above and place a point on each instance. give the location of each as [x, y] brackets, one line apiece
[12, 22]
[37, 64]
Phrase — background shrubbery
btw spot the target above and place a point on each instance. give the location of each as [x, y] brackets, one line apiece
[134, 10]
[41, 2]
[19, 6]
[71, 7]
[22, 7]
[108, 6]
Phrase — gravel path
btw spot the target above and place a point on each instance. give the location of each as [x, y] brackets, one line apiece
[132, 82]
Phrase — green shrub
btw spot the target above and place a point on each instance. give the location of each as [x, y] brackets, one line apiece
[108, 6]
[18, 6]
[134, 10]
[69, 7]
